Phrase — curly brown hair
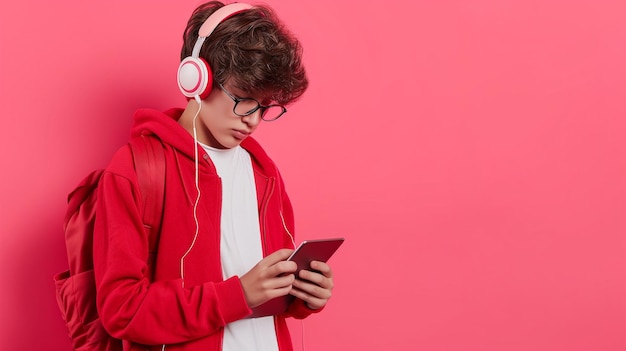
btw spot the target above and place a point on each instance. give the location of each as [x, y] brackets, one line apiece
[252, 50]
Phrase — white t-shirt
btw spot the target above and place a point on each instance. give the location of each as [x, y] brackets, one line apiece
[240, 244]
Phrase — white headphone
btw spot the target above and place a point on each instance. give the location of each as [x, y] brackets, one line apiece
[195, 78]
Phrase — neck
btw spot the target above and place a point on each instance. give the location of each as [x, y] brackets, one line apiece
[186, 119]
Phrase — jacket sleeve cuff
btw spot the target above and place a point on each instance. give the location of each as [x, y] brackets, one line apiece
[299, 310]
[233, 303]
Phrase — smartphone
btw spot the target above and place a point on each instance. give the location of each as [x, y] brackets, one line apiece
[314, 250]
[307, 251]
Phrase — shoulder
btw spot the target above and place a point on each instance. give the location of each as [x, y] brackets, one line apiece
[121, 163]
[123, 160]
[260, 158]
[253, 146]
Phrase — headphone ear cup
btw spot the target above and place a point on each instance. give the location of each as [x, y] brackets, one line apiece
[195, 77]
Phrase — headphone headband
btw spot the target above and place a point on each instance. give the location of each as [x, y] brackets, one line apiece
[214, 20]
[220, 15]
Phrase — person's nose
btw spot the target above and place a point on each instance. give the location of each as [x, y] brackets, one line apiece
[253, 119]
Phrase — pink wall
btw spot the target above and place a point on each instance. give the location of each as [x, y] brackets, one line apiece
[471, 152]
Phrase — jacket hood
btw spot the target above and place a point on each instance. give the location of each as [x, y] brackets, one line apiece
[165, 126]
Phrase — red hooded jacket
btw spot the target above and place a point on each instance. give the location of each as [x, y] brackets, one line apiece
[150, 306]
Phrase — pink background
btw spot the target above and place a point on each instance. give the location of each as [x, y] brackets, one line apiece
[471, 152]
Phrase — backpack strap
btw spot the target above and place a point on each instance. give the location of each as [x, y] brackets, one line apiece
[149, 158]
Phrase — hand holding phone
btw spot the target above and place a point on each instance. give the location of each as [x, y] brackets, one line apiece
[308, 251]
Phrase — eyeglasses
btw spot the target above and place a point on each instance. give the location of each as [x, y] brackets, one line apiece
[247, 106]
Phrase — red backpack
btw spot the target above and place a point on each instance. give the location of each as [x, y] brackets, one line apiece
[76, 287]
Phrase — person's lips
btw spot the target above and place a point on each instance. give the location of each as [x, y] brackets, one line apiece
[240, 134]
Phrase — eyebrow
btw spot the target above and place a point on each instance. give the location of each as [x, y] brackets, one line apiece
[238, 95]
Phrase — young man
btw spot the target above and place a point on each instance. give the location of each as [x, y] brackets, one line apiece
[227, 222]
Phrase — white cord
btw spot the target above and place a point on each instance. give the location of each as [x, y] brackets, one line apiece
[195, 205]
[287, 230]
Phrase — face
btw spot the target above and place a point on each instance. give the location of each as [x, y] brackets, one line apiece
[218, 126]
